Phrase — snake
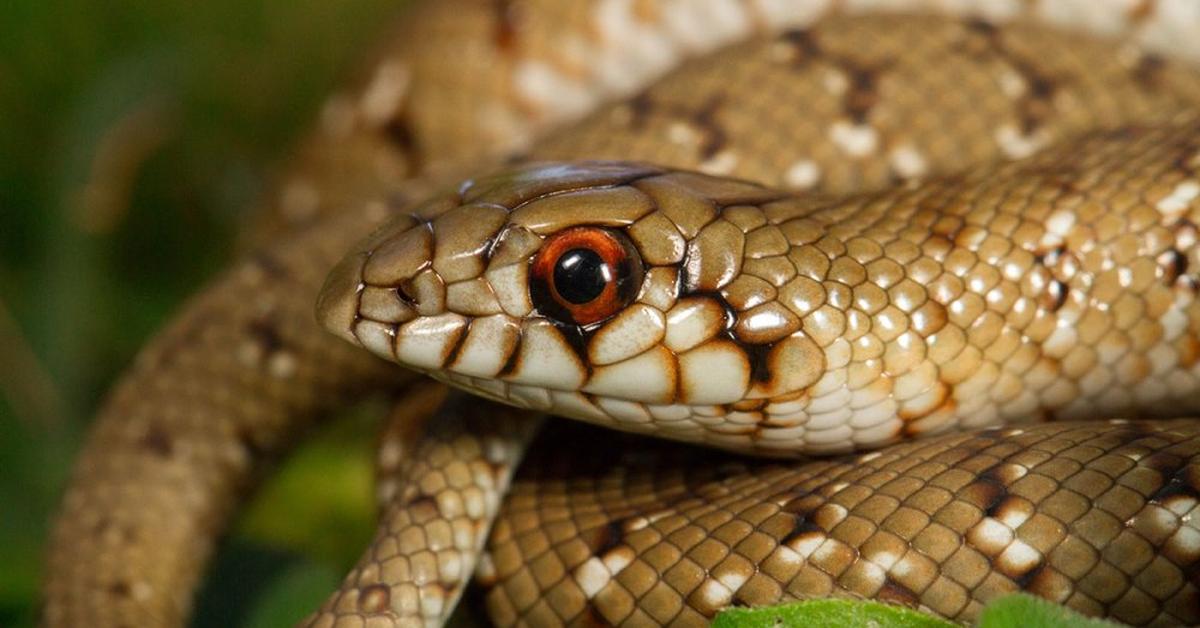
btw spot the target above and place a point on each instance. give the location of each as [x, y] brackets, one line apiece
[873, 271]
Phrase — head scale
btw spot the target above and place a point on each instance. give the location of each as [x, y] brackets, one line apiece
[611, 292]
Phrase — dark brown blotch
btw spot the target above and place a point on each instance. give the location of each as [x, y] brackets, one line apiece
[705, 118]
[1050, 257]
[507, 25]
[759, 358]
[804, 45]
[1174, 264]
[102, 526]
[399, 133]
[513, 362]
[423, 508]
[591, 617]
[1148, 71]
[641, 107]
[986, 493]
[1009, 507]
[459, 342]
[1180, 478]
[157, 441]
[607, 537]
[1056, 295]
[375, 598]
[249, 443]
[1165, 463]
[1142, 11]
[1029, 581]
[893, 592]
[270, 266]
[264, 332]
[982, 27]
[803, 525]
[863, 93]
[1036, 105]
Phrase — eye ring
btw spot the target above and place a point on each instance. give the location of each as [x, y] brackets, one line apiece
[584, 275]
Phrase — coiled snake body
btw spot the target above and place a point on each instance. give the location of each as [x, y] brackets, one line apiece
[865, 289]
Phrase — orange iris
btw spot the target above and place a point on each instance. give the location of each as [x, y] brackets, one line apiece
[583, 275]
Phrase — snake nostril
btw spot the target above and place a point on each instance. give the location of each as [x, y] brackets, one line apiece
[406, 293]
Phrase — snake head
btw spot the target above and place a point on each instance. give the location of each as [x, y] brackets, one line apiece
[611, 292]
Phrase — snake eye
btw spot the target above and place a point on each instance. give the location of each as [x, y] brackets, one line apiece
[584, 275]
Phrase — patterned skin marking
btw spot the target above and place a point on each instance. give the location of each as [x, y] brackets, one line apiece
[507, 25]
[861, 91]
[1142, 11]
[157, 441]
[705, 118]
[120, 589]
[250, 443]
[902, 526]
[263, 331]
[698, 125]
[856, 82]
[1032, 91]
[1147, 71]
[1036, 90]
[400, 134]
[374, 599]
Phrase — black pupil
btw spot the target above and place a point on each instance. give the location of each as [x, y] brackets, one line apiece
[580, 276]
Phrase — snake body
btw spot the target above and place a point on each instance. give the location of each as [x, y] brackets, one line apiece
[1096, 517]
[1058, 286]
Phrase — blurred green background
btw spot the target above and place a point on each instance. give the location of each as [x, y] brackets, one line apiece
[135, 138]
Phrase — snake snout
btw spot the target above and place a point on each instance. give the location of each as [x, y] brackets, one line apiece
[384, 284]
[337, 302]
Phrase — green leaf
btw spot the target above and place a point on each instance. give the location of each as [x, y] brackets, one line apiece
[832, 613]
[1026, 611]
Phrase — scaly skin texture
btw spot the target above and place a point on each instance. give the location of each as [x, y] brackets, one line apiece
[441, 488]
[1099, 517]
[243, 369]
